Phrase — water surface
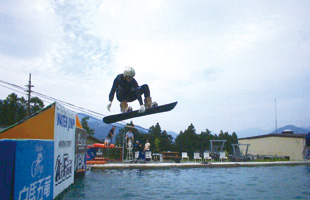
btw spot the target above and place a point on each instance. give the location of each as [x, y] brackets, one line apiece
[275, 182]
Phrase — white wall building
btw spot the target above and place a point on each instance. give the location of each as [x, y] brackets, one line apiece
[284, 145]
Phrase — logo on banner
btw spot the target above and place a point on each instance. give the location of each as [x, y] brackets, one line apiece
[37, 168]
[81, 140]
[65, 122]
[79, 162]
[37, 190]
[63, 168]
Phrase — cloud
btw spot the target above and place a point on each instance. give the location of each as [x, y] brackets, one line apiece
[26, 28]
[225, 62]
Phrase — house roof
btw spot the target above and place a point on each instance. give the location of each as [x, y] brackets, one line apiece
[93, 138]
[276, 135]
[287, 131]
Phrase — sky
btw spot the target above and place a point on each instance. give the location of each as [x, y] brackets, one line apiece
[231, 65]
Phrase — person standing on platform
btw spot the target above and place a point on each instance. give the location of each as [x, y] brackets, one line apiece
[108, 140]
[129, 138]
[147, 146]
[139, 147]
[111, 133]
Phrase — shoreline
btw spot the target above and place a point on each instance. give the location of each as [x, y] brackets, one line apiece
[191, 165]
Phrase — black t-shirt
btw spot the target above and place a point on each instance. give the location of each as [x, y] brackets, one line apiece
[110, 134]
[139, 147]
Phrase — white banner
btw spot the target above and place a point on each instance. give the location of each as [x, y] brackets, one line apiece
[64, 137]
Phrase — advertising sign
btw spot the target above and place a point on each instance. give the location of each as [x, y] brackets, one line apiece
[33, 179]
[64, 138]
[80, 151]
[91, 153]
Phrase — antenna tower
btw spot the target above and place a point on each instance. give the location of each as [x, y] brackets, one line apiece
[275, 109]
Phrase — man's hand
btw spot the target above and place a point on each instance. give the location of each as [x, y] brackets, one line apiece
[142, 109]
[109, 105]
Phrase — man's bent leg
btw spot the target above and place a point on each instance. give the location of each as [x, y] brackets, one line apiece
[125, 107]
[144, 89]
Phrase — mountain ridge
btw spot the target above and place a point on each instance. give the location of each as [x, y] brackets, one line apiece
[257, 131]
[102, 129]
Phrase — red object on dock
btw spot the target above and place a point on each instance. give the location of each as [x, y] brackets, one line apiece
[90, 162]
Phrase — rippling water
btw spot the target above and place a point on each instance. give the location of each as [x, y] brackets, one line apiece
[276, 182]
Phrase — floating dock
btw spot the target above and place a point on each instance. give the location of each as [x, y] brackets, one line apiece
[191, 165]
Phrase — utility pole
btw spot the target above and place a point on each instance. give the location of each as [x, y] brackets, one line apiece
[29, 86]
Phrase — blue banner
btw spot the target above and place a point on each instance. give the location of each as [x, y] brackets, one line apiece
[7, 159]
[34, 170]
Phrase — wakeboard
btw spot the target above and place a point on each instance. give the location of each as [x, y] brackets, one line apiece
[149, 111]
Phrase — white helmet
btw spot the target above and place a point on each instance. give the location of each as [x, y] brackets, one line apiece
[129, 71]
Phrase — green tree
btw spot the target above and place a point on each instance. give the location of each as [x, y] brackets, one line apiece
[159, 140]
[188, 141]
[156, 145]
[230, 139]
[204, 140]
[36, 104]
[14, 109]
[85, 126]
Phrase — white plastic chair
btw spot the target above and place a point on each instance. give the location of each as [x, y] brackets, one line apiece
[185, 156]
[206, 156]
[148, 155]
[223, 156]
[197, 156]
